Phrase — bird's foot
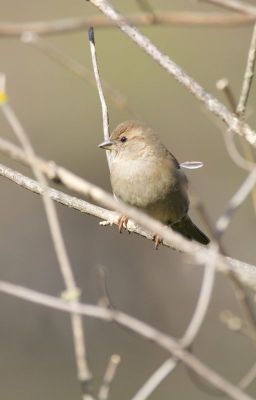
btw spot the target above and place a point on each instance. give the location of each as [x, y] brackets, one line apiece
[157, 240]
[122, 223]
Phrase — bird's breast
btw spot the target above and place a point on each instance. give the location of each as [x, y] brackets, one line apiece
[156, 187]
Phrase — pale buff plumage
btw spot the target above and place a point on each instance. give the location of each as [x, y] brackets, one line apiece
[146, 175]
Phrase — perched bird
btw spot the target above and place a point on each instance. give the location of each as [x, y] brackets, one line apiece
[146, 175]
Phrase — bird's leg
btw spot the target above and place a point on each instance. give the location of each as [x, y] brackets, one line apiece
[122, 223]
[157, 240]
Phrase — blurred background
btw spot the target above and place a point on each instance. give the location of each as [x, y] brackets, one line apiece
[62, 116]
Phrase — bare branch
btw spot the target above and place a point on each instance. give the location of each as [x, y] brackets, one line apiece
[156, 379]
[104, 108]
[248, 77]
[144, 330]
[236, 200]
[168, 18]
[244, 272]
[223, 85]
[248, 378]
[210, 102]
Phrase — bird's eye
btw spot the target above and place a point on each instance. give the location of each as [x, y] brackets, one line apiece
[123, 139]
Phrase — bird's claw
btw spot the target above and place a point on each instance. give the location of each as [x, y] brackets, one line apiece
[122, 223]
[157, 240]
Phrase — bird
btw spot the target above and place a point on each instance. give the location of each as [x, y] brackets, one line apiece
[146, 175]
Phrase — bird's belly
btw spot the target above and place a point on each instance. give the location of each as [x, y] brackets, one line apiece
[162, 196]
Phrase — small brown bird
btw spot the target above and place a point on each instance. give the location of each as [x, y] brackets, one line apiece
[146, 175]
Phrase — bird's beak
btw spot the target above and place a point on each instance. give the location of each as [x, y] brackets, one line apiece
[107, 145]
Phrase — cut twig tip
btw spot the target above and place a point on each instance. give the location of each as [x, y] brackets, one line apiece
[222, 84]
[28, 37]
[91, 34]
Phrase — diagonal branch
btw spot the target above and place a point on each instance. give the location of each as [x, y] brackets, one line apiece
[211, 103]
[246, 273]
[146, 331]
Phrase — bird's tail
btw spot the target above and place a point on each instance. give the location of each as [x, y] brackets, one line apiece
[188, 229]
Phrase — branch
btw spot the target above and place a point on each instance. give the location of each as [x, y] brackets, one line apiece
[248, 77]
[236, 200]
[246, 273]
[109, 377]
[169, 18]
[236, 5]
[210, 102]
[134, 325]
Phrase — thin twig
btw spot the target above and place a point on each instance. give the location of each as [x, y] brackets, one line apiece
[190, 334]
[236, 200]
[248, 77]
[156, 379]
[109, 377]
[134, 325]
[84, 374]
[248, 378]
[146, 6]
[199, 205]
[224, 86]
[168, 18]
[247, 162]
[104, 108]
[210, 102]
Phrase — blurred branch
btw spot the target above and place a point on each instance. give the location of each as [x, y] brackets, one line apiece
[118, 99]
[210, 102]
[146, 331]
[235, 5]
[199, 205]
[190, 334]
[83, 371]
[248, 378]
[169, 18]
[109, 377]
[235, 202]
[224, 86]
[248, 77]
[247, 162]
